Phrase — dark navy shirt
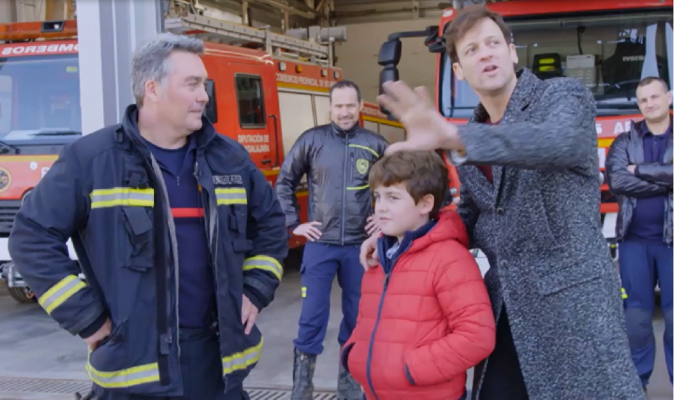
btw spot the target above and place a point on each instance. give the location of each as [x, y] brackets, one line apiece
[196, 283]
[649, 215]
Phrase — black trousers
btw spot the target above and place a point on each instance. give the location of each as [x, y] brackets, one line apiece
[503, 378]
[201, 372]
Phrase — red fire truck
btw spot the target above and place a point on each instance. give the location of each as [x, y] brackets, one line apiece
[263, 97]
[609, 45]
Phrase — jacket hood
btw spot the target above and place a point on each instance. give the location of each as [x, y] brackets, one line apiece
[449, 226]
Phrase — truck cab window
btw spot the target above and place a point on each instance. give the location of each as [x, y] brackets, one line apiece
[39, 99]
[250, 98]
[5, 103]
[608, 53]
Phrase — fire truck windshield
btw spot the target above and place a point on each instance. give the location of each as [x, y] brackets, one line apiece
[39, 99]
[608, 53]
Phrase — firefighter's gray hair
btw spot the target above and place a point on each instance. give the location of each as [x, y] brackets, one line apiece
[150, 61]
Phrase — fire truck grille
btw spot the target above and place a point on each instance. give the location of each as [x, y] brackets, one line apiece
[8, 210]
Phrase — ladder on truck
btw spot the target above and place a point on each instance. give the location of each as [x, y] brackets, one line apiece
[225, 32]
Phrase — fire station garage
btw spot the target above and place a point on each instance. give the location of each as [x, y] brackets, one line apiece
[65, 72]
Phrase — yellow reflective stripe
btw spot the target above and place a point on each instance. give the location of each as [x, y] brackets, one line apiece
[242, 360]
[357, 187]
[264, 263]
[365, 148]
[60, 292]
[624, 293]
[227, 196]
[124, 378]
[122, 196]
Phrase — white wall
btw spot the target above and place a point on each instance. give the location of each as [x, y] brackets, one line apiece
[30, 10]
[358, 55]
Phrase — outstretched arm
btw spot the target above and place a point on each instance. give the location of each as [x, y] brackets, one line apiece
[559, 140]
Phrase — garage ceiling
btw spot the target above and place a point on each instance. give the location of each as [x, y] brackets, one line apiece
[362, 11]
[302, 13]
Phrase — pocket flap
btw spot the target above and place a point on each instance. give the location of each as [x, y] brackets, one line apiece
[139, 221]
[568, 277]
[242, 245]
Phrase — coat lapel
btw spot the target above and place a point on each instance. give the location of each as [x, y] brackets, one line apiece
[526, 87]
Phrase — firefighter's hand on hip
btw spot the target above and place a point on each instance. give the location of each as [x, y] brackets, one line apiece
[101, 334]
[309, 230]
[426, 128]
[248, 314]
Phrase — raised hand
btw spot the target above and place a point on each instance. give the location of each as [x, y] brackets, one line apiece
[426, 128]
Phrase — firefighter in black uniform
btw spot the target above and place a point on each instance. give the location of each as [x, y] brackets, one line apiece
[336, 158]
[179, 235]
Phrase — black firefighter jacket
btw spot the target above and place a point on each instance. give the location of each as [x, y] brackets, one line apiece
[106, 191]
[649, 179]
[337, 164]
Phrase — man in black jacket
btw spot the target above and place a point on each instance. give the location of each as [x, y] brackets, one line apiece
[337, 159]
[639, 168]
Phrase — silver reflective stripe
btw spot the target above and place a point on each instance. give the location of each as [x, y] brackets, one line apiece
[122, 197]
[231, 196]
[242, 360]
[264, 263]
[126, 377]
[60, 292]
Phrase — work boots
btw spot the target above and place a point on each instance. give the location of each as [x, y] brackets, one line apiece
[303, 375]
[347, 387]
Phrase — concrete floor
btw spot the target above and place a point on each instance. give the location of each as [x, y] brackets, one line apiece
[33, 346]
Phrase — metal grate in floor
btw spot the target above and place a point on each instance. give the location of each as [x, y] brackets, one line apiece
[27, 385]
[267, 394]
[69, 387]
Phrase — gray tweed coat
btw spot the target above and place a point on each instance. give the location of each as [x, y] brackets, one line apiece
[538, 226]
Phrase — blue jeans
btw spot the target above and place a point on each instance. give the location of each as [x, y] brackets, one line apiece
[320, 264]
[642, 266]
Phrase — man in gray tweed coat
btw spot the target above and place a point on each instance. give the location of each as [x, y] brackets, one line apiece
[527, 162]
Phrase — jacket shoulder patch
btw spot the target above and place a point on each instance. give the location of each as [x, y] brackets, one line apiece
[362, 165]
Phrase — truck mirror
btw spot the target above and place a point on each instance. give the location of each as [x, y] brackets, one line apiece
[389, 73]
[211, 110]
[389, 57]
[389, 52]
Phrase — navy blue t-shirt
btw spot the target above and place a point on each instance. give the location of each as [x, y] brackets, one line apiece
[196, 283]
[648, 220]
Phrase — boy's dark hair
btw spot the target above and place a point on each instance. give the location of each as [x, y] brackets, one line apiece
[422, 172]
[345, 84]
[650, 79]
[465, 20]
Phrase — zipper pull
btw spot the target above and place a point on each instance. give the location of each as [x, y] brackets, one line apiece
[196, 169]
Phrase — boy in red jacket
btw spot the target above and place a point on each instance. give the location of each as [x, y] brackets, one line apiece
[425, 317]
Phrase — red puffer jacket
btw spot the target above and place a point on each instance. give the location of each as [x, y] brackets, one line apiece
[425, 323]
